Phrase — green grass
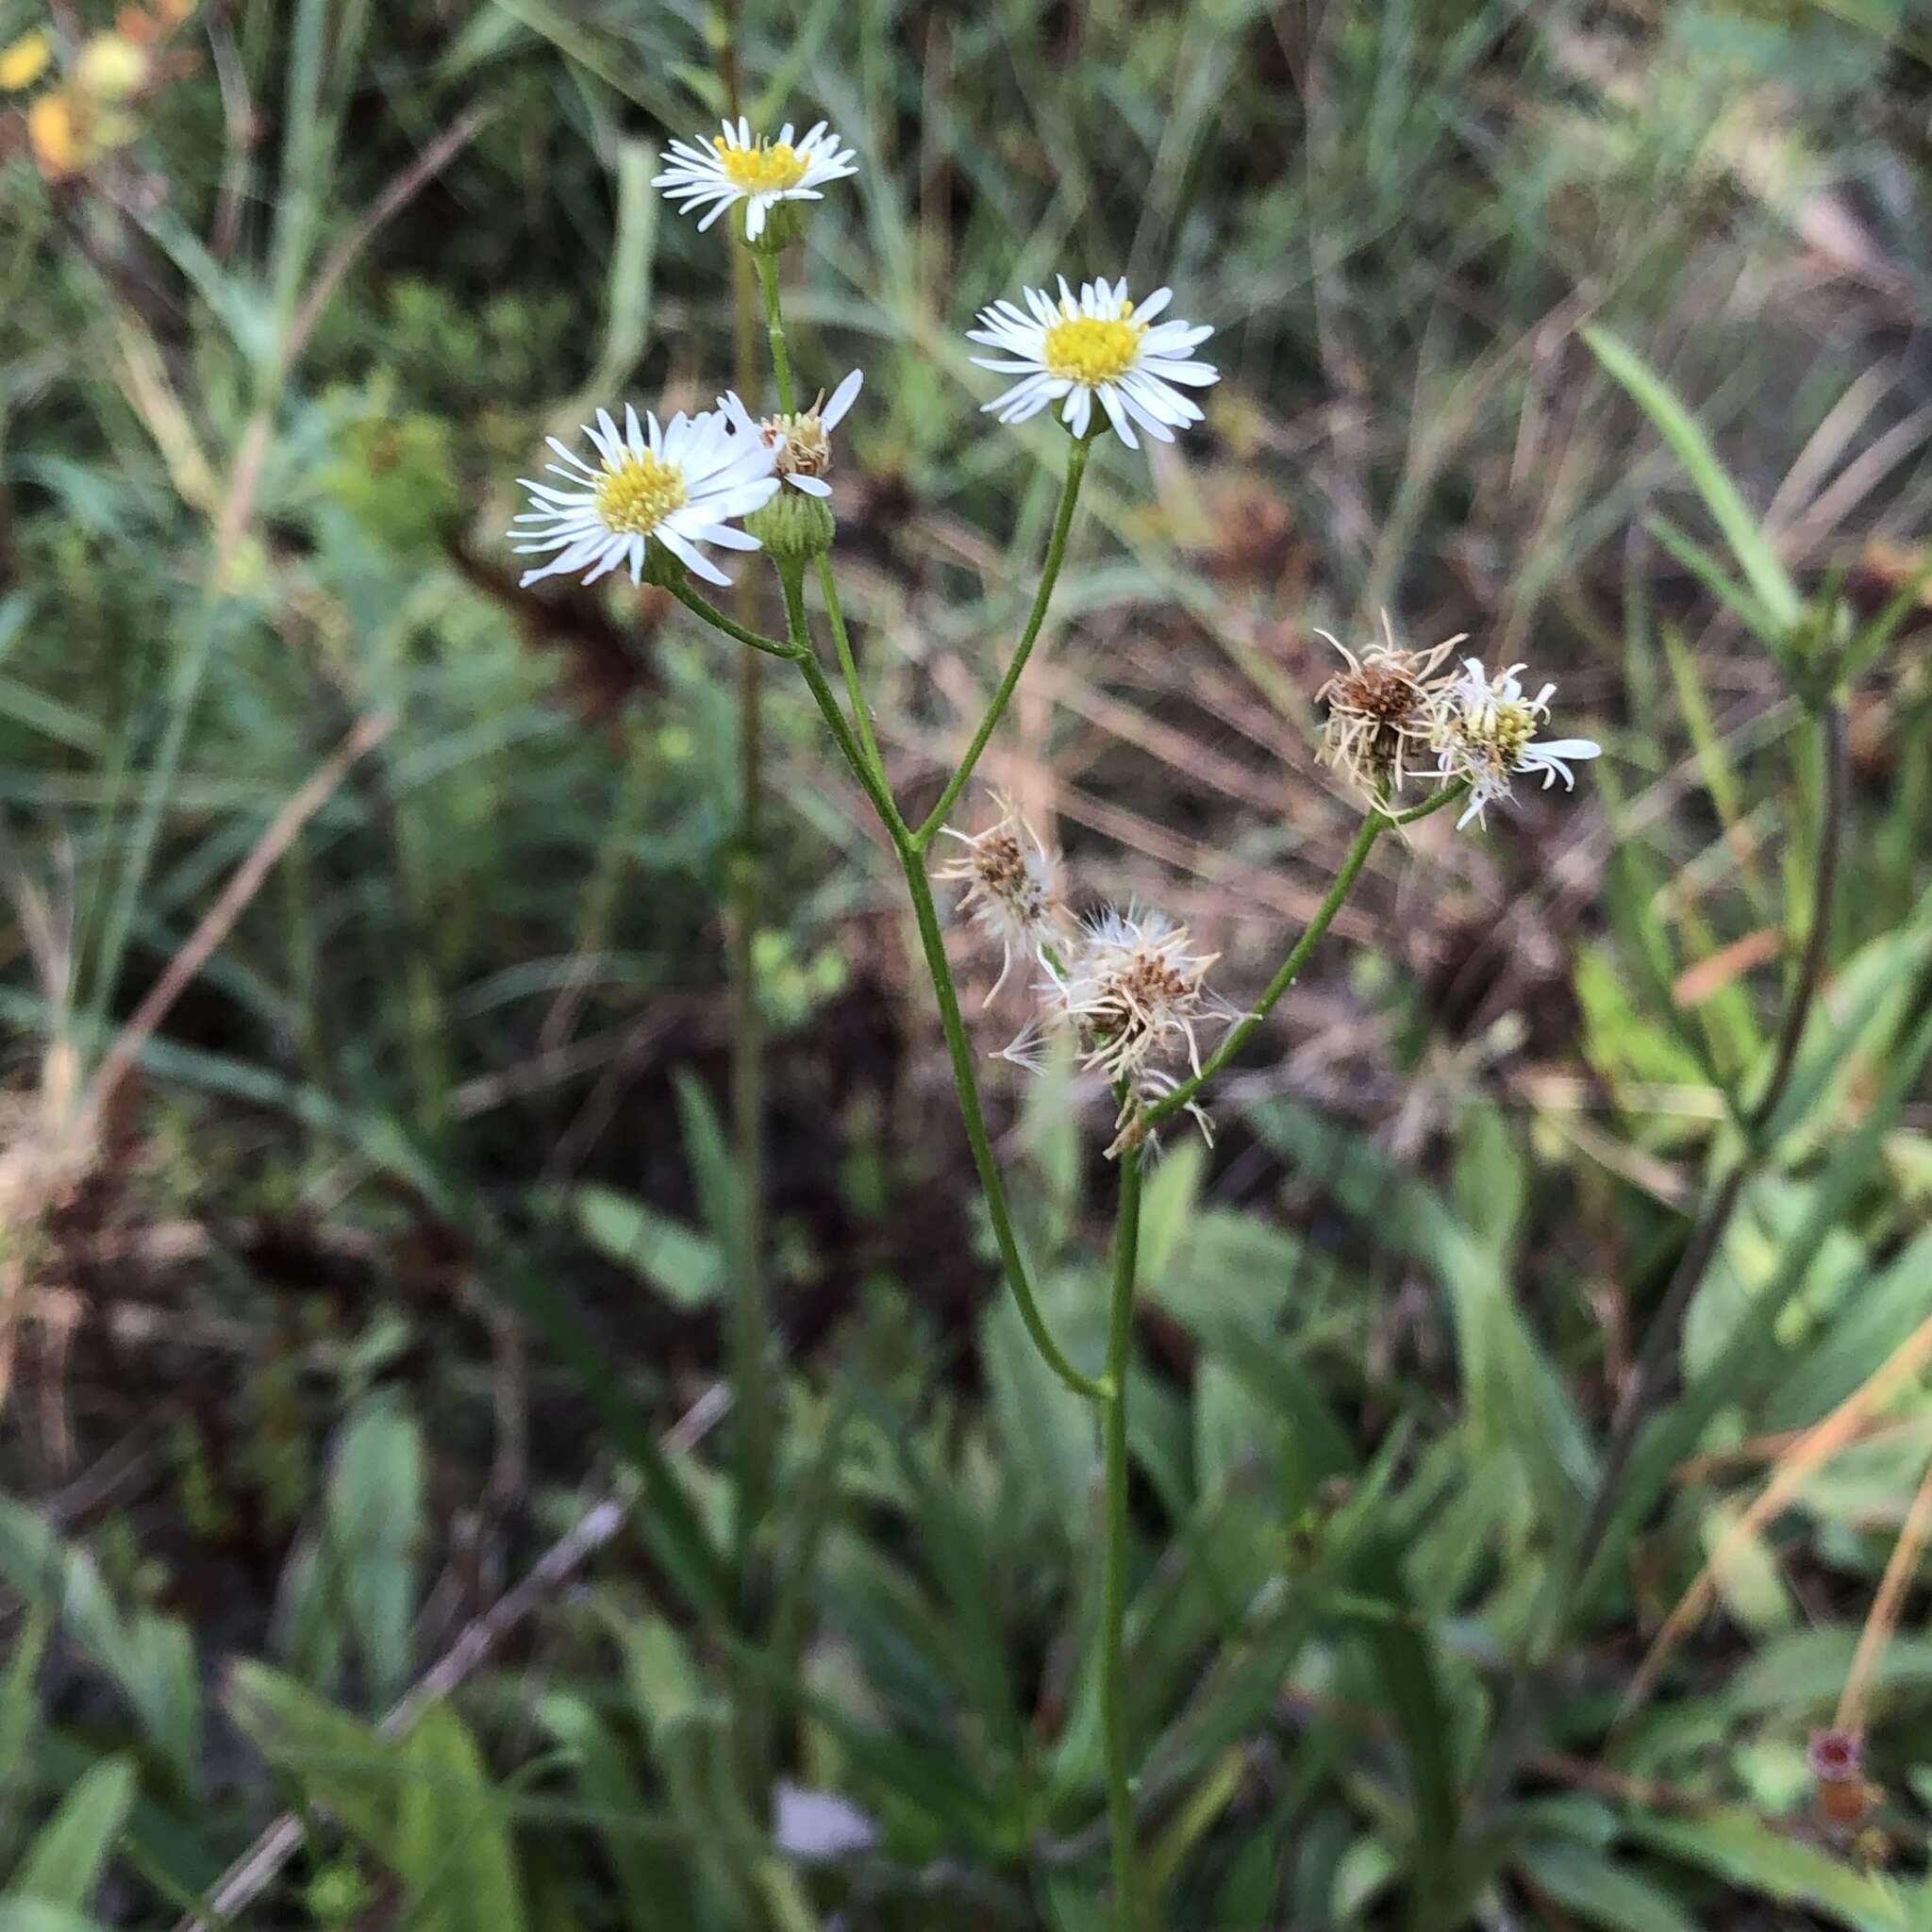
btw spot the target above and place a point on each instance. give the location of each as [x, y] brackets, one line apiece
[366, 1461]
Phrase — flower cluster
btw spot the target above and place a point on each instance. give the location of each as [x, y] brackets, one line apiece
[697, 480]
[1125, 988]
[91, 111]
[1389, 704]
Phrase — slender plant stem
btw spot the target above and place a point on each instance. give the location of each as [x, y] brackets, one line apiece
[751, 1426]
[1049, 575]
[1372, 826]
[933, 944]
[775, 329]
[849, 664]
[1113, 1610]
[701, 606]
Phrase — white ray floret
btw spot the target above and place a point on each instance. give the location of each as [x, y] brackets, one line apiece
[733, 166]
[801, 444]
[680, 484]
[1096, 347]
[1485, 735]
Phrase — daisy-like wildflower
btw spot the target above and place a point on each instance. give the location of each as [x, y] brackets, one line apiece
[1485, 735]
[1102, 347]
[1133, 994]
[1012, 886]
[733, 167]
[801, 444]
[677, 485]
[1380, 706]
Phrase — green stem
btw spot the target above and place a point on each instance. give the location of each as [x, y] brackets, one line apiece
[1055, 556]
[849, 748]
[774, 328]
[934, 945]
[701, 606]
[849, 664]
[1113, 1614]
[753, 1435]
[1237, 1036]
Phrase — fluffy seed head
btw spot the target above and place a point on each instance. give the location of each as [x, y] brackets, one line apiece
[1380, 705]
[1012, 884]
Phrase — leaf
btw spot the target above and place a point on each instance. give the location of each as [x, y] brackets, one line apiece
[1739, 1848]
[452, 1847]
[65, 1862]
[374, 1527]
[1598, 1891]
[1756, 559]
[684, 1267]
[341, 1763]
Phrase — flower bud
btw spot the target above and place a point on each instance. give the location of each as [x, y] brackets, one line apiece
[784, 223]
[796, 529]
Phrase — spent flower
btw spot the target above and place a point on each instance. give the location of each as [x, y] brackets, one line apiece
[1012, 886]
[1132, 991]
[1484, 735]
[1098, 346]
[1381, 706]
[735, 167]
[801, 442]
[672, 486]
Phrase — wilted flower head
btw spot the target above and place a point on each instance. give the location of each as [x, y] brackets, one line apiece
[1485, 733]
[677, 485]
[733, 167]
[1132, 994]
[801, 444]
[1380, 706]
[1100, 345]
[1012, 884]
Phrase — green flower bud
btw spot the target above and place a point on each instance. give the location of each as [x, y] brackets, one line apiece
[784, 223]
[797, 529]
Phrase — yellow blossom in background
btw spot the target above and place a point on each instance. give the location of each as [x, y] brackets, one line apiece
[111, 67]
[55, 138]
[22, 62]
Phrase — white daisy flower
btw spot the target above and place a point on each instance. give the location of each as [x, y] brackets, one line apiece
[1100, 345]
[1485, 734]
[679, 485]
[1012, 886]
[801, 444]
[733, 167]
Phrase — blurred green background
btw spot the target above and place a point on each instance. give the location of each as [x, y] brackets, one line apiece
[366, 1205]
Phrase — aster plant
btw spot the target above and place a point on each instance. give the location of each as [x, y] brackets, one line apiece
[1127, 989]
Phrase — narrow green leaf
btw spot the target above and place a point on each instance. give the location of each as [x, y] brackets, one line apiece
[64, 1864]
[1756, 559]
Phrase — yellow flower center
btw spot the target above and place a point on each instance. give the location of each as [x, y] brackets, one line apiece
[637, 495]
[1084, 349]
[761, 168]
[1513, 727]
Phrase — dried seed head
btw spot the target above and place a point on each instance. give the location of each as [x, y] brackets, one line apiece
[1380, 705]
[1012, 884]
